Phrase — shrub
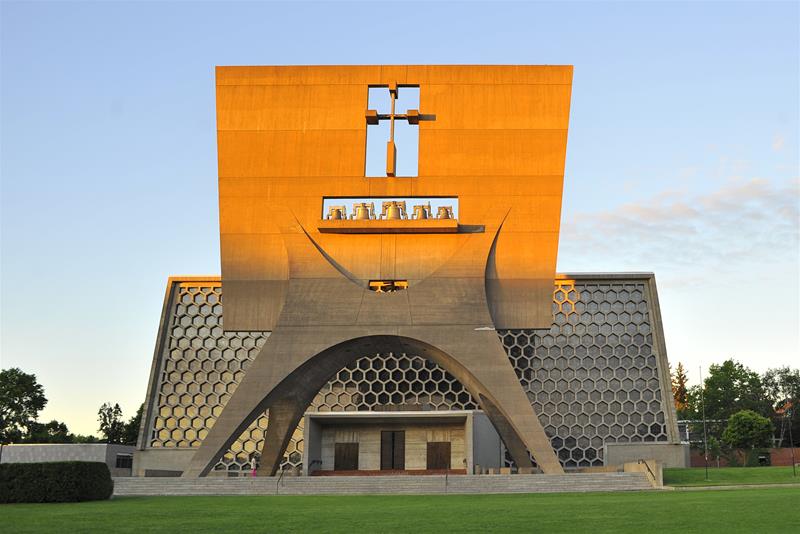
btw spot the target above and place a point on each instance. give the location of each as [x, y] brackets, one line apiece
[747, 430]
[55, 482]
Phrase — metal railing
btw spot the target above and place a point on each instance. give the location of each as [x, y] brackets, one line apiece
[280, 477]
[650, 471]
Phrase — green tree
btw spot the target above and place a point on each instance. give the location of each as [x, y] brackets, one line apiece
[21, 400]
[730, 388]
[714, 449]
[680, 393]
[111, 425]
[80, 438]
[132, 427]
[52, 432]
[782, 386]
[748, 430]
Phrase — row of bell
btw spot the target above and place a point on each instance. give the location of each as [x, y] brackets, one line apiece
[393, 212]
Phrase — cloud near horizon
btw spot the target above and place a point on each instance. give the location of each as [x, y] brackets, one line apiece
[727, 230]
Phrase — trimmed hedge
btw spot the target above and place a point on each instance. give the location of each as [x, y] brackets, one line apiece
[55, 482]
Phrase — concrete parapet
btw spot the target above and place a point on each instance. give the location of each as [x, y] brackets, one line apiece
[669, 454]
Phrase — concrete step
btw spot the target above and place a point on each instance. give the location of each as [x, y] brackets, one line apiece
[395, 484]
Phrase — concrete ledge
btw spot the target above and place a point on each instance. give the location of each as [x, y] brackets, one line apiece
[669, 454]
[426, 226]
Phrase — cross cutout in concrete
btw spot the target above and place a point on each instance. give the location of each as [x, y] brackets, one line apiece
[413, 116]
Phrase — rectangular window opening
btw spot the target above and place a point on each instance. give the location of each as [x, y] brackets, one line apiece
[387, 286]
[389, 208]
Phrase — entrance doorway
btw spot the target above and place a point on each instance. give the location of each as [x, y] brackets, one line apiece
[345, 457]
[393, 449]
[438, 455]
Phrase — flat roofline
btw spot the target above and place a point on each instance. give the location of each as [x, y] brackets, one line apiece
[388, 417]
[606, 275]
[341, 65]
[67, 444]
[643, 275]
[194, 278]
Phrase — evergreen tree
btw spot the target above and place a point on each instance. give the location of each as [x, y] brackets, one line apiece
[680, 393]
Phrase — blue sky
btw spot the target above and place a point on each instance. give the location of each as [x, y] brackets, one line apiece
[682, 160]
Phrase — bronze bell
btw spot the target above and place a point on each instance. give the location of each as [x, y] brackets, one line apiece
[444, 212]
[336, 214]
[420, 212]
[393, 212]
[362, 212]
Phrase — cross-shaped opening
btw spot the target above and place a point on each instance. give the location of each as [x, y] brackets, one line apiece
[392, 130]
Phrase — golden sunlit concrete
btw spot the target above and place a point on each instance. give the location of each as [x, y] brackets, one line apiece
[288, 137]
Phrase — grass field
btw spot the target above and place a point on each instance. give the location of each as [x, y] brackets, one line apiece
[745, 510]
[728, 476]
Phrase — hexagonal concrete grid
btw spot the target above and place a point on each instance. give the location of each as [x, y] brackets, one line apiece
[592, 378]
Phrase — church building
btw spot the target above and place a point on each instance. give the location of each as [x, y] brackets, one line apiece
[388, 299]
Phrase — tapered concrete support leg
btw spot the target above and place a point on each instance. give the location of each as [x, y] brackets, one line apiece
[264, 385]
[516, 447]
[477, 358]
[284, 416]
[512, 415]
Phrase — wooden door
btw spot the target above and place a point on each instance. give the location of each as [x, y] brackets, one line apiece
[393, 449]
[345, 457]
[438, 455]
[399, 452]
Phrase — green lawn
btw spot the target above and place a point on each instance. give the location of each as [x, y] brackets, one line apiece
[727, 476]
[746, 510]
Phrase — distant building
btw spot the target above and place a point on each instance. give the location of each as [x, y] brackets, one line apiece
[118, 458]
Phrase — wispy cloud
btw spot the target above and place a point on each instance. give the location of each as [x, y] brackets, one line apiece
[778, 142]
[745, 222]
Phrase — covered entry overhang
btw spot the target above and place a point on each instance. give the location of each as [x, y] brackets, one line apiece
[406, 441]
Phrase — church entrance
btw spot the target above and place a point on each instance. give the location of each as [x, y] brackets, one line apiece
[438, 455]
[393, 450]
[399, 443]
[345, 457]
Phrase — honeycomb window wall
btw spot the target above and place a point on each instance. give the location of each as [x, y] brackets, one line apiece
[593, 378]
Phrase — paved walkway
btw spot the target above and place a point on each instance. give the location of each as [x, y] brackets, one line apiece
[732, 487]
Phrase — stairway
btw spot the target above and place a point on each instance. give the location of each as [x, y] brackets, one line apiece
[396, 484]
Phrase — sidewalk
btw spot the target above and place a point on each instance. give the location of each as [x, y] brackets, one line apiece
[732, 487]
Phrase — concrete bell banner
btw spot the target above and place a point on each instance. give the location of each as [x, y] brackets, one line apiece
[416, 324]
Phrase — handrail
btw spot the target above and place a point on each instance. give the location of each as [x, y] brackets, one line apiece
[652, 475]
[283, 470]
